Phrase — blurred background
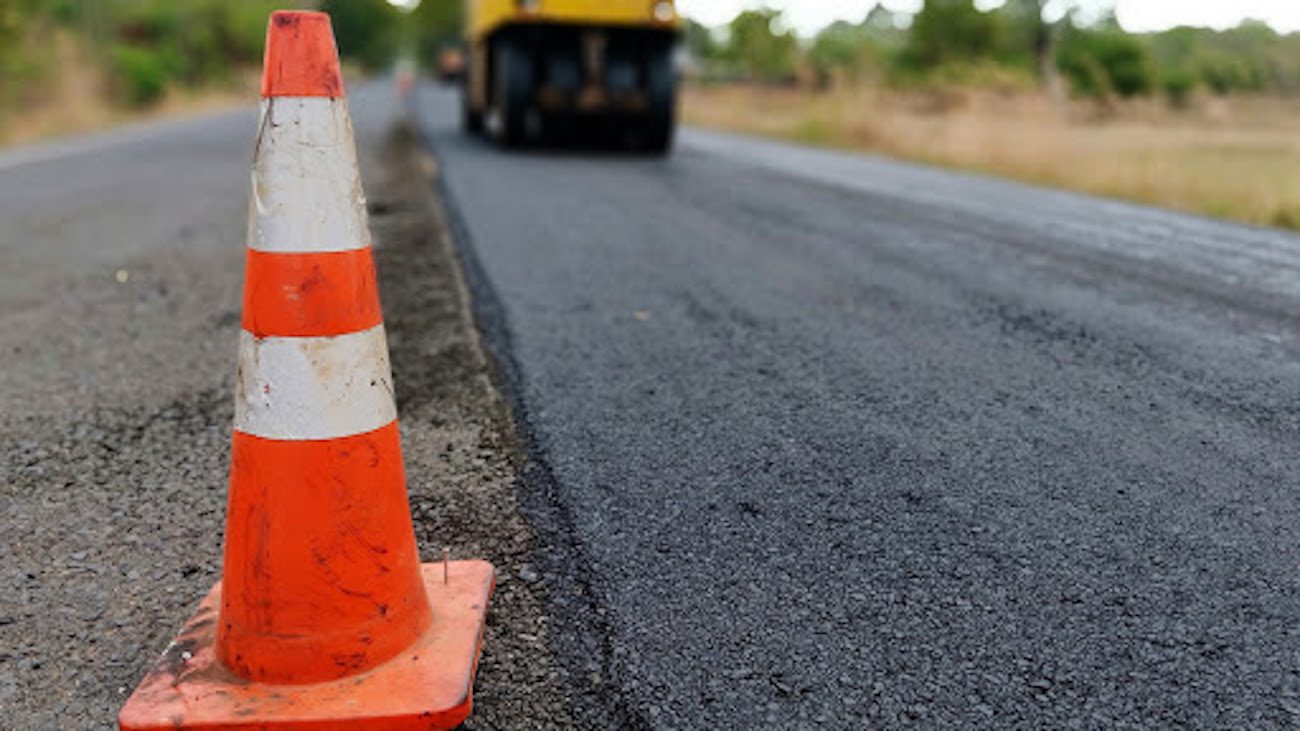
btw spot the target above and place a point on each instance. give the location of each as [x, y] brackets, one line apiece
[1190, 105]
[760, 435]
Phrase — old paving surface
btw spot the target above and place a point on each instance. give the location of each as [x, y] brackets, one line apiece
[120, 293]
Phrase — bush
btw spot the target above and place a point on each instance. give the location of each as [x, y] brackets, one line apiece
[757, 45]
[951, 31]
[1099, 62]
[1178, 85]
[1287, 218]
[854, 51]
[142, 74]
[23, 50]
[156, 43]
[366, 30]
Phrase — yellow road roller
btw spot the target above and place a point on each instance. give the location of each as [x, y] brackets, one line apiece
[601, 69]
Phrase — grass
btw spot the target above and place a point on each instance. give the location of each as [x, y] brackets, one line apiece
[1237, 159]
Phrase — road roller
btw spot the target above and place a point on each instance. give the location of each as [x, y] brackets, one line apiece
[597, 70]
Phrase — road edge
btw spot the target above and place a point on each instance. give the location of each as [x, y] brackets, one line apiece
[583, 634]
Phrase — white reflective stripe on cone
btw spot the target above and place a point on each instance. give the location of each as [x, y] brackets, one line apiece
[298, 389]
[307, 193]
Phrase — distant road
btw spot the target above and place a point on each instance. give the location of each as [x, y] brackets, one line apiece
[830, 441]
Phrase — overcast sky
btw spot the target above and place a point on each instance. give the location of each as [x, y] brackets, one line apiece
[809, 16]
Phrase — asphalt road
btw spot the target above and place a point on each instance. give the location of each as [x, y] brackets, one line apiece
[813, 439]
[826, 440]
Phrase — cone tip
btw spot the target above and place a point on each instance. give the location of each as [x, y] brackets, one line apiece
[301, 58]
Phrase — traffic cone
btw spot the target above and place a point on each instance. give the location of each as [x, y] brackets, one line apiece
[324, 618]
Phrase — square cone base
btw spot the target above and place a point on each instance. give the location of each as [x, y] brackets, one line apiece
[428, 686]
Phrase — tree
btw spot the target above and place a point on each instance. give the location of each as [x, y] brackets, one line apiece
[758, 48]
[951, 31]
[365, 30]
[854, 50]
[436, 24]
[1031, 33]
[841, 47]
[1106, 60]
[700, 42]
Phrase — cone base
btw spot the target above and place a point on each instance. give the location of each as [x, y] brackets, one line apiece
[428, 686]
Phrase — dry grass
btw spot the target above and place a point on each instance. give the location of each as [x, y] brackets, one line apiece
[1237, 160]
[77, 99]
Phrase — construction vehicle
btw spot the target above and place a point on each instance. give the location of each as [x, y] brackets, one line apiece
[541, 68]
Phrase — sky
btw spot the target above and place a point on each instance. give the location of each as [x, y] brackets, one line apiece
[809, 16]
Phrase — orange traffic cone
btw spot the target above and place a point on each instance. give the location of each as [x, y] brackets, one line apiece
[324, 618]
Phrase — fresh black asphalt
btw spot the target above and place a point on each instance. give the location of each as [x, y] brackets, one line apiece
[826, 440]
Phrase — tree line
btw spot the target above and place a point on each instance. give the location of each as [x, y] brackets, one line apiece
[953, 41]
[143, 48]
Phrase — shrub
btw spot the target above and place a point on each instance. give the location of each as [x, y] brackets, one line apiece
[23, 50]
[1178, 85]
[1099, 62]
[142, 74]
[759, 45]
[365, 29]
[853, 51]
[1287, 218]
[951, 31]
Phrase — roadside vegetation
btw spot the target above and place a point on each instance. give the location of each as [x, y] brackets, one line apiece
[74, 65]
[1195, 119]
[71, 65]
